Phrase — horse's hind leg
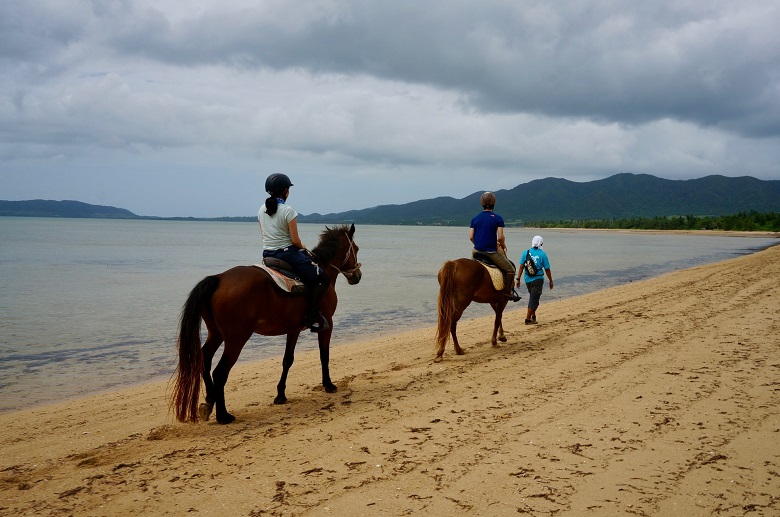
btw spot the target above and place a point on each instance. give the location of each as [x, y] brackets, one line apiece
[454, 331]
[498, 307]
[229, 357]
[213, 340]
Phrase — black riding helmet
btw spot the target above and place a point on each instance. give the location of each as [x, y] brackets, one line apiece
[276, 183]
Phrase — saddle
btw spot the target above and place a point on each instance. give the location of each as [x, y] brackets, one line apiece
[281, 273]
[496, 273]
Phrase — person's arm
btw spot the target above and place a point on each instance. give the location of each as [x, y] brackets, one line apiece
[471, 234]
[293, 226]
[549, 276]
[501, 240]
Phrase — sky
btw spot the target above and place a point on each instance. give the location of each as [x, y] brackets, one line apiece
[183, 108]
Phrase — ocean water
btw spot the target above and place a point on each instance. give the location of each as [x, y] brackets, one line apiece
[90, 305]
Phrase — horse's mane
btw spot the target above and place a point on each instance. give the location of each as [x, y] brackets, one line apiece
[329, 243]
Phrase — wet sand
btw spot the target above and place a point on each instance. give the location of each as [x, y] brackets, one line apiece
[660, 397]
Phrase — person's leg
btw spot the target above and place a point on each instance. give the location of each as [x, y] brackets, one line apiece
[313, 317]
[535, 293]
[500, 260]
[316, 283]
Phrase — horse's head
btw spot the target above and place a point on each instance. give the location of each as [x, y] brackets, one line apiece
[337, 249]
[351, 267]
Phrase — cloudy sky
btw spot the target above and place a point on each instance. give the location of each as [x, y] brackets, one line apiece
[182, 108]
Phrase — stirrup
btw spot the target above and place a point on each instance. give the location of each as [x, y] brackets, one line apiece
[320, 324]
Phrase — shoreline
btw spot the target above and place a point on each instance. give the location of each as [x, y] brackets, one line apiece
[700, 233]
[657, 397]
[278, 351]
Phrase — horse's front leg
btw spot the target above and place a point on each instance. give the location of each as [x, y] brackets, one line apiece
[287, 362]
[323, 338]
[498, 307]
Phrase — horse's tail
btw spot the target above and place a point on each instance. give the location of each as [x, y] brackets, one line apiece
[446, 303]
[186, 390]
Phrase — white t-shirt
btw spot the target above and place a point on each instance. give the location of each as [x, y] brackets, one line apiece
[276, 228]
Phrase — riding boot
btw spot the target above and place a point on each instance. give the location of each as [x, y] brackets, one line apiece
[509, 287]
[313, 317]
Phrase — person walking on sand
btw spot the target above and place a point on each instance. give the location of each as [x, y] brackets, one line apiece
[535, 282]
[279, 226]
[487, 234]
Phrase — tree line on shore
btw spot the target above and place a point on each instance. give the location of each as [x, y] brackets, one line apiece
[744, 222]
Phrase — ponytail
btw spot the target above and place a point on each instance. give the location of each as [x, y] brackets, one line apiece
[271, 205]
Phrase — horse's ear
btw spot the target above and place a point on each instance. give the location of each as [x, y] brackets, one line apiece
[352, 230]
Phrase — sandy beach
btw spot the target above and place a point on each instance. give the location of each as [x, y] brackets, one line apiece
[660, 397]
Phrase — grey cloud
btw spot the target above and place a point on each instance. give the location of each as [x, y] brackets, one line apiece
[711, 63]
[458, 93]
[33, 31]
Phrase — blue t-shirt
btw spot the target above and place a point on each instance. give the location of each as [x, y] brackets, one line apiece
[540, 259]
[485, 226]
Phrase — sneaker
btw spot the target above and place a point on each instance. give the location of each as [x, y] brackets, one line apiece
[530, 322]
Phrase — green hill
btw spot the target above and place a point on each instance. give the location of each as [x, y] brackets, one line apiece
[72, 209]
[550, 199]
[619, 196]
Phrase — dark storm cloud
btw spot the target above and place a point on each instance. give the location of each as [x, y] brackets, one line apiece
[707, 63]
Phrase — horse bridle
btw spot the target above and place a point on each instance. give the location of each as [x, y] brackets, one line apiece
[348, 273]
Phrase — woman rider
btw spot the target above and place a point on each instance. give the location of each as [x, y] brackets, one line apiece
[279, 227]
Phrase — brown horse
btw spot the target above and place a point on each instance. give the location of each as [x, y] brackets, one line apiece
[244, 300]
[461, 282]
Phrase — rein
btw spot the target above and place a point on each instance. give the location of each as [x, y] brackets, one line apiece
[348, 273]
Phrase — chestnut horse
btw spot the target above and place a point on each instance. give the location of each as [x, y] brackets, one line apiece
[461, 282]
[244, 300]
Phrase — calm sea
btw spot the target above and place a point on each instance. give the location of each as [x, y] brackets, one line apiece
[90, 305]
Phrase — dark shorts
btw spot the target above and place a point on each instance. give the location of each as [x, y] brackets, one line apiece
[535, 292]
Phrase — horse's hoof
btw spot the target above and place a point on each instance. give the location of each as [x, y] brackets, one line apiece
[437, 359]
[280, 399]
[331, 388]
[502, 339]
[227, 418]
[204, 411]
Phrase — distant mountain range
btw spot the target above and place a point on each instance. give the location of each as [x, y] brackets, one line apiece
[549, 199]
[73, 209]
[553, 199]
[79, 210]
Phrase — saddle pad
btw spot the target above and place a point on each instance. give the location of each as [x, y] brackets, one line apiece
[496, 275]
[287, 284]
